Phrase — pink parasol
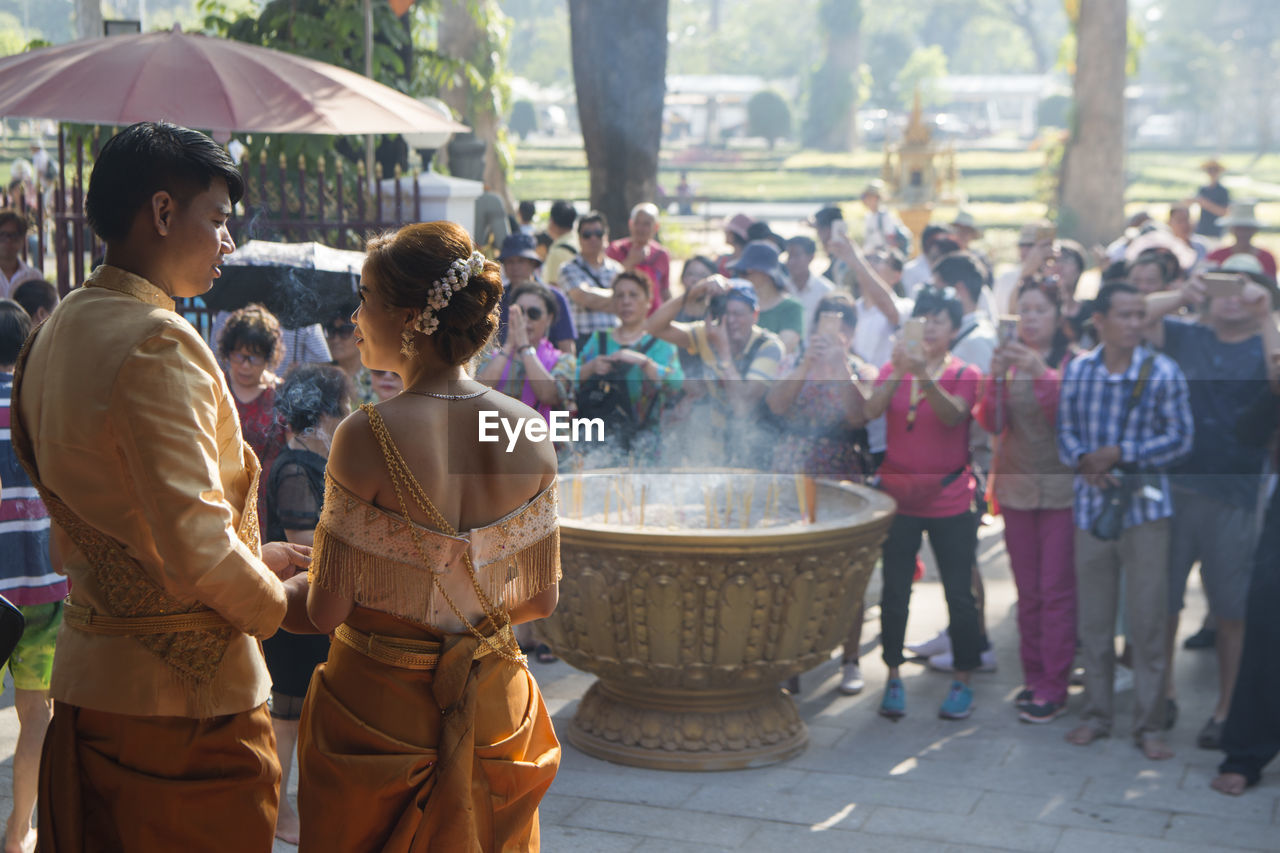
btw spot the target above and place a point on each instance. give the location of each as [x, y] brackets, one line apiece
[213, 84]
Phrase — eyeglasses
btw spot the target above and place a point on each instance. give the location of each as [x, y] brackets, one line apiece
[245, 358]
[591, 233]
[10, 235]
[533, 312]
[346, 330]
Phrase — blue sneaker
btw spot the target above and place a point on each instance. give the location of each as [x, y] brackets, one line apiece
[894, 703]
[958, 704]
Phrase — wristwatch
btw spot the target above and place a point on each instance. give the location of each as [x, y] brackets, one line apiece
[528, 351]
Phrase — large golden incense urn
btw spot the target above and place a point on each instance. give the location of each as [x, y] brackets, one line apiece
[693, 594]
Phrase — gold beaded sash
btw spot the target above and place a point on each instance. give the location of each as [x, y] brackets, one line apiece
[190, 638]
[401, 652]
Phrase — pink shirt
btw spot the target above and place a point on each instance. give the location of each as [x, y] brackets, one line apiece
[929, 451]
[657, 263]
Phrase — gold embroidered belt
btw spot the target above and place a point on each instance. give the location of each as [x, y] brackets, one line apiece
[401, 652]
[85, 619]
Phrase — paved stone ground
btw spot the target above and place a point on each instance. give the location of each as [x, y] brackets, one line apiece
[922, 784]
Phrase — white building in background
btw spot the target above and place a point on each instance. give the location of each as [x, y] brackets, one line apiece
[989, 104]
[707, 108]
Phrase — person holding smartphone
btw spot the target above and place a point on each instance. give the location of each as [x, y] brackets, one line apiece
[927, 395]
[1032, 488]
[1216, 488]
[820, 405]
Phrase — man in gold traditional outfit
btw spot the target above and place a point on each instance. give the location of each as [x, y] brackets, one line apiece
[160, 738]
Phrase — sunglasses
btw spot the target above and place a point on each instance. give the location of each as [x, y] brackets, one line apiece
[344, 331]
[533, 312]
[246, 358]
[591, 233]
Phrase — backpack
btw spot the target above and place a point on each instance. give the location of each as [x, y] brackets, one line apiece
[606, 397]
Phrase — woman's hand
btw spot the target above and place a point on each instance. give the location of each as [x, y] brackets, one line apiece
[285, 559]
[1024, 358]
[518, 333]
[818, 352]
[597, 366]
[1000, 360]
[908, 358]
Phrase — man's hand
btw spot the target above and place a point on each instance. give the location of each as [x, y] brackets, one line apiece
[635, 255]
[1096, 467]
[286, 559]
[718, 340]
[1256, 298]
[1193, 292]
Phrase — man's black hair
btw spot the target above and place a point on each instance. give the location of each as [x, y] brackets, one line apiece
[563, 214]
[35, 294]
[931, 233]
[962, 270]
[804, 244]
[15, 325]
[1108, 292]
[144, 159]
[527, 209]
[596, 216]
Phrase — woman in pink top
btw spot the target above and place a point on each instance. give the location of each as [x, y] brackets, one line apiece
[927, 394]
[1034, 491]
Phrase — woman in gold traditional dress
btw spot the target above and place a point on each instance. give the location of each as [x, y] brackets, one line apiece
[425, 730]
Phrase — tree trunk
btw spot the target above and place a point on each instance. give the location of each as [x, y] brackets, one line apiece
[833, 94]
[461, 38]
[1091, 181]
[88, 19]
[619, 70]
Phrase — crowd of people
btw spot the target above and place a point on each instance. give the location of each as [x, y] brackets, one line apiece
[1121, 434]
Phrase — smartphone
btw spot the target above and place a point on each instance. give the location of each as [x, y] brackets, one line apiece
[913, 331]
[1047, 234]
[1220, 285]
[830, 323]
[1008, 328]
[839, 229]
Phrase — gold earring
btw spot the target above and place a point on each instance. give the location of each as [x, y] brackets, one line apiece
[408, 348]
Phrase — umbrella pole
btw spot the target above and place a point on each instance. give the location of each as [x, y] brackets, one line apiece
[368, 72]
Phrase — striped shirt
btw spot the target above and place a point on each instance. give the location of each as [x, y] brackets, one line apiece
[1159, 432]
[26, 575]
[576, 273]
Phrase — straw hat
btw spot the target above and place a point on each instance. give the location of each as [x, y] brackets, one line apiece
[1213, 166]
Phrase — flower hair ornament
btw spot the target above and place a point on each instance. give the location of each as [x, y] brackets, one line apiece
[438, 296]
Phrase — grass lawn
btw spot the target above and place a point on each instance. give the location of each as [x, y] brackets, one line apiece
[986, 177]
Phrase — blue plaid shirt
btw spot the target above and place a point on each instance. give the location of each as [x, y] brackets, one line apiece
[1160, 430]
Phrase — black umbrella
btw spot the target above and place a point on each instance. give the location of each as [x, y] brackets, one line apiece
[301, 283]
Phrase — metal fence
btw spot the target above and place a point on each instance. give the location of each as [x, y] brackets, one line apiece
[313, 200]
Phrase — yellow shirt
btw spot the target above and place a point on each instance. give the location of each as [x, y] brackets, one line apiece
[134, 428]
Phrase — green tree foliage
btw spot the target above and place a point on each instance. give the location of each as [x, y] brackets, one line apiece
[768, 116]
[923, 71]
[524, 119]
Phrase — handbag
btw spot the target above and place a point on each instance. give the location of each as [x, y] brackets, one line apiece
[912, 489]
[1109, 523]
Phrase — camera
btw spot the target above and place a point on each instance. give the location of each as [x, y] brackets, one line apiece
[715, 308]
[1115, 503]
